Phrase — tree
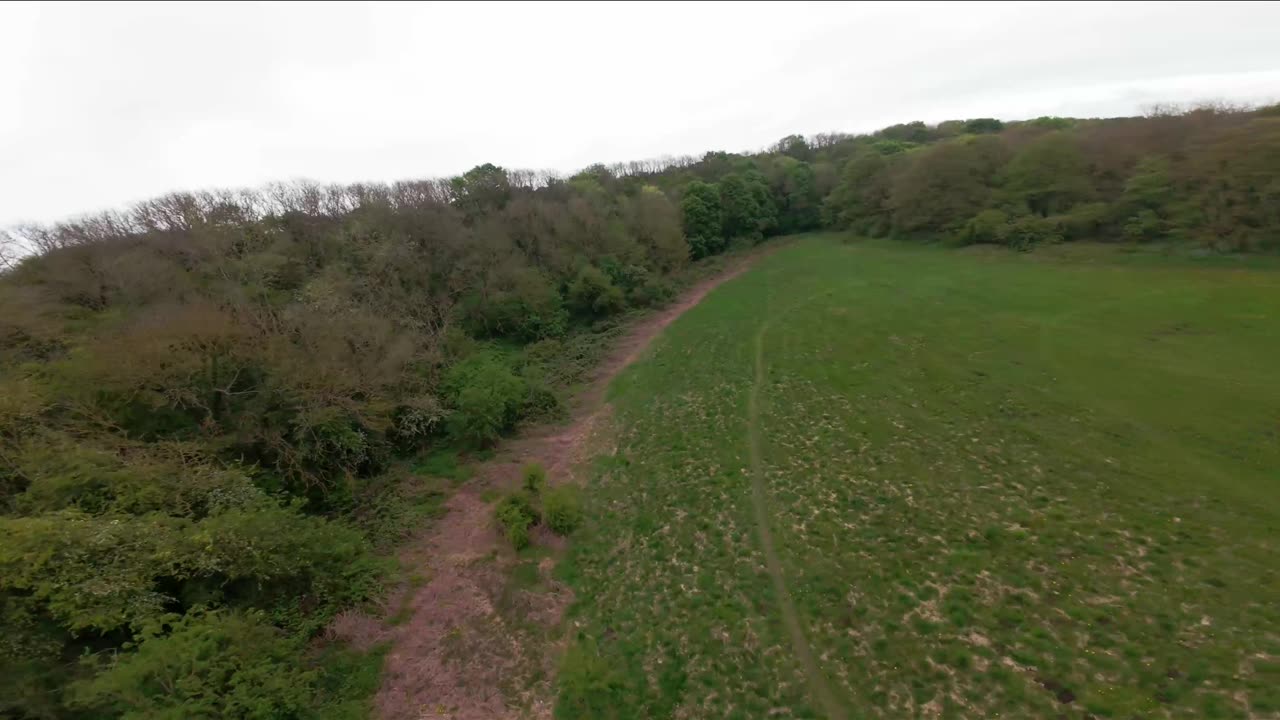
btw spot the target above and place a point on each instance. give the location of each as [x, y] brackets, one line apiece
[655, 223]
[943, 185]
[1049, 175]
[701, 214]
[860, 199]
[746, 208]
[794, 186]
[484, 188]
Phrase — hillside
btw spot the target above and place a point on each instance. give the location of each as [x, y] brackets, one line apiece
[221, 411]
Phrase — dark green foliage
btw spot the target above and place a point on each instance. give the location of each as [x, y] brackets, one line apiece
[700, 208]
[978, 126]
[562, 509]
[945, 184]
[1049, 174]
[593, 295]
[746, 208]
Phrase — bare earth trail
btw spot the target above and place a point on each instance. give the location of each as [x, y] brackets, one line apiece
[454, 655]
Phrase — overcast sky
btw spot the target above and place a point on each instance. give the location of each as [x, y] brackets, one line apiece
[102, 105]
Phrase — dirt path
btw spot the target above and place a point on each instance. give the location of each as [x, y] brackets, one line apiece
[456, 656]
[818, 686]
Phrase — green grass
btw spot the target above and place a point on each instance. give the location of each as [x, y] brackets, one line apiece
[1019, 485]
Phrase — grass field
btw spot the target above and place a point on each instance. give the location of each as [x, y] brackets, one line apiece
[878, 480]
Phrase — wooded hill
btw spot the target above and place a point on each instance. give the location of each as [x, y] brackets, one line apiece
[203, 399]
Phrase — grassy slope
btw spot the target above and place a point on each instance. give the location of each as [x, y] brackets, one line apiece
[994, 483]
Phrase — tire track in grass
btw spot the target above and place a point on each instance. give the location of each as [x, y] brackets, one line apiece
[760, 504]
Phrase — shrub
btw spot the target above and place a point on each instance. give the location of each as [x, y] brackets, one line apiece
[593, 294]
[486, 396]
[650, 292]
[562, 509]
[988, 226]
[533, 479]
[328, 443]
[418, 419]
[215, 664]
[516, 514]
[1031, 230]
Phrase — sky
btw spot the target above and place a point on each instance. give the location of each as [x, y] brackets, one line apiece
[105, 104]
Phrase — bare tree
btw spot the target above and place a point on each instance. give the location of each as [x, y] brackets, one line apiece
[12, 250]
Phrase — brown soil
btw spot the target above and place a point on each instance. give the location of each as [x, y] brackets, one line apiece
[456, 653]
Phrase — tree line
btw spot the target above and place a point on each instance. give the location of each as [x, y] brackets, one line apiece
[204, 397]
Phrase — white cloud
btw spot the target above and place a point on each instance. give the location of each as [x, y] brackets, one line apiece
[101, 105]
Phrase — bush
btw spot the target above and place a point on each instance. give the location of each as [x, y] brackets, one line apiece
[209, 665]
[486, 396]
[417, 420]
[1143, 226]
[533, 479]
[562, 509]
[988, 226]
[329, 444]
[650, 292]
[593, 294]
[516, 514]
[1031, 230]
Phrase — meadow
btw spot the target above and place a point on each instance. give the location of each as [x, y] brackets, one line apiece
[869, 479]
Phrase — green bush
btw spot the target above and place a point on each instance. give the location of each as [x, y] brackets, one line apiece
[988, 226]
[208, 665]
[330, 445]
[562, 509]
[593, 294]
[486, 397]
[516, 514]
[1030, 230]
[1143, 226]
[533, 479]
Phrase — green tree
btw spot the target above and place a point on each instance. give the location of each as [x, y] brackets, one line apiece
[700, 210]
[207, 665]
[1049, 175]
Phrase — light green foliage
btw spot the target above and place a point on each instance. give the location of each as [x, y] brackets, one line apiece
[210, 665]
[562, 508]
[533, 479]
[988, 226]
[516, 513]
[486, 395]
[998, 484]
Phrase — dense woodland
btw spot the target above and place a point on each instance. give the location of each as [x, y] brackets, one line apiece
[205, 397]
